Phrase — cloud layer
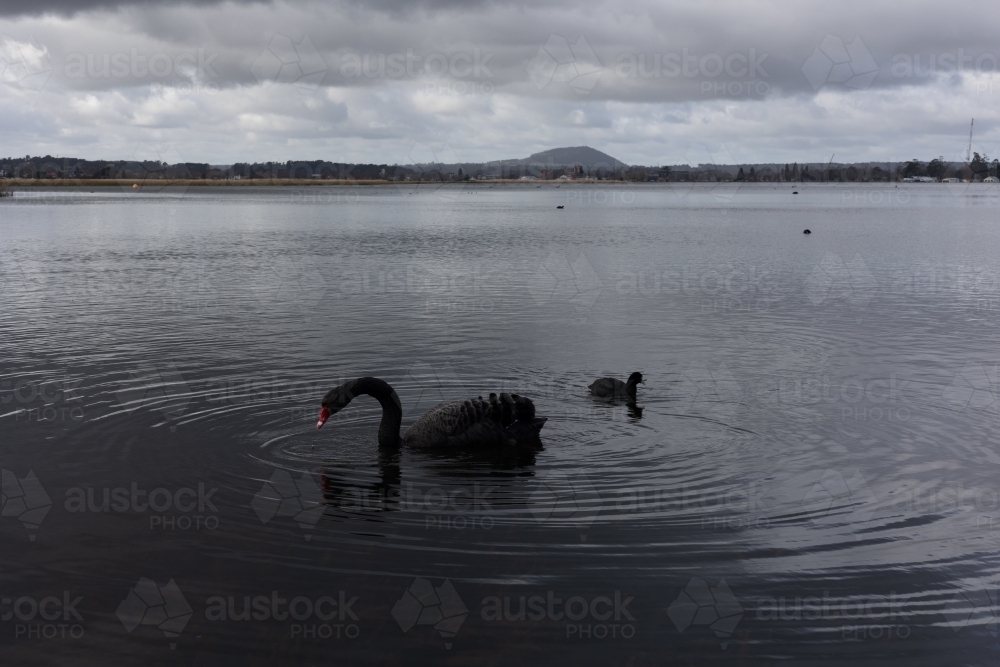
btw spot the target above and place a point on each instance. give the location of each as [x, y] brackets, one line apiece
[648, 82]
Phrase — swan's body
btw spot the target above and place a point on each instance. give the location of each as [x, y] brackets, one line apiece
[500, 420]
[613, 388]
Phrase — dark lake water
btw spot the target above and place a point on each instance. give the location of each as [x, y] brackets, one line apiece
[810, 473]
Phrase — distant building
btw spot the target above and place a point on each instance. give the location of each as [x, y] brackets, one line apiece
[991, 179]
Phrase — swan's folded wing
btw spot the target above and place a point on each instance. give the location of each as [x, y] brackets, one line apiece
[512, 407]
[482, 434]
[451, 420]
[475, 422]
[440, 420]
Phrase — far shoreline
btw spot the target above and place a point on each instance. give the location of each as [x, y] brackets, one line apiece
[271, 182]
[159, 184]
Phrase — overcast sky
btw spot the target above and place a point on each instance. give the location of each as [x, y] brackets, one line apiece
[395, 81]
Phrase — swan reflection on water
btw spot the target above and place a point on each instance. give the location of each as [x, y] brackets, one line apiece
[357, 491]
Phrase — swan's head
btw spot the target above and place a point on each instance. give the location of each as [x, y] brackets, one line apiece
[335, 400]
[635, 379]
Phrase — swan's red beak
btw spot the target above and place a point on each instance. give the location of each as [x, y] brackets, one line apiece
[324, 414]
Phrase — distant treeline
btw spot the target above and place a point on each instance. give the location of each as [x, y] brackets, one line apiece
[49, 167]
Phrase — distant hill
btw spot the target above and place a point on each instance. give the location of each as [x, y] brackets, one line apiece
[584, 156]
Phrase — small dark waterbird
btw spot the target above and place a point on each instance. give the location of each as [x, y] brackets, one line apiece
[807, 232]
[612, 388]
[506, 419]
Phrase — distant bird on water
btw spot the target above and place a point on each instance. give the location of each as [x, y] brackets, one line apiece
[560, 206]
[612, 388]
[807, 232]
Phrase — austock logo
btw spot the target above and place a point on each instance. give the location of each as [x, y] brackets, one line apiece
[712, 392]
[833, 278]
[978, 606]
[722, 187]
[24, 499]
[835, 499]
[426, 161]
[974, 387]
[184, 508]
[158, 387]
[48, 617]
[50, 401]
[426, 604]
[297, 281]
[283, 496]
[24, 64]
[701, 604]
[14, 280]
[561, 498]
[433, 386]
[575, 65]
[284, 61]
[301, 612]
[559, 280]
[613, 618]
[162, 606]
[834, 62]
[857, 617]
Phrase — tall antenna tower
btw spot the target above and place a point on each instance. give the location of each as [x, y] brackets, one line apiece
[968, 151]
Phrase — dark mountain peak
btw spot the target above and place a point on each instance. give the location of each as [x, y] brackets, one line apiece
[584, 156]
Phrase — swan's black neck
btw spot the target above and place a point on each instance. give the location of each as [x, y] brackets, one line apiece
[392, 411]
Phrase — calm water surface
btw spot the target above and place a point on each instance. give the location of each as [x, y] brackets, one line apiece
[810, 474]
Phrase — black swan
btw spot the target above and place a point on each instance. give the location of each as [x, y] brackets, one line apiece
[504, 420]
[612, 388]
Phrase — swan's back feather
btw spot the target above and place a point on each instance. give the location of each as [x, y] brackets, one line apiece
[475, 421]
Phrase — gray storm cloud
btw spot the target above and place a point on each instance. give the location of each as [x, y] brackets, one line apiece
[70, 7]
[771, 81]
